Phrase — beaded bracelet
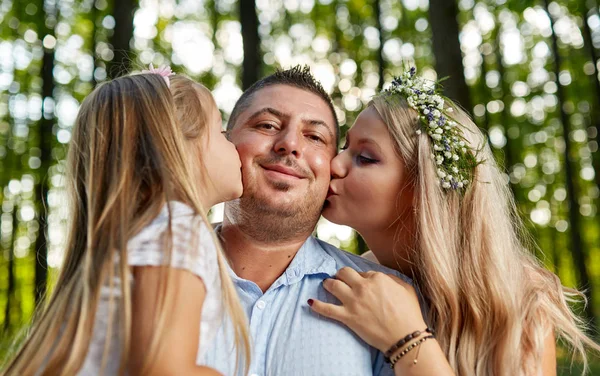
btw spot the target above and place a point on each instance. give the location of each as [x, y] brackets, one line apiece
[403, 341]
[408, 349]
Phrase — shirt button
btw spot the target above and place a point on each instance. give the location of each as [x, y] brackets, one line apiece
[261, 304]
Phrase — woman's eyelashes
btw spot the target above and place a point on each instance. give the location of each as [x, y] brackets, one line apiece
[364, 160]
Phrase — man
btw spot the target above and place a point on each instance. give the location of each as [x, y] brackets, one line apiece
[286, 132]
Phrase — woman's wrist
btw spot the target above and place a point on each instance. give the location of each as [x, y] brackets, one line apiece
[399, 337]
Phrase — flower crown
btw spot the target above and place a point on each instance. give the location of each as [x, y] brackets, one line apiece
[165, 72]
[455, 163]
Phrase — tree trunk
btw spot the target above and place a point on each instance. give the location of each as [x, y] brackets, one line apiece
[252, 67]
[380, 60]
[446, 49]
[121, 38]
[577, 251]
[45, 144]
[595, 112]
[11, 299]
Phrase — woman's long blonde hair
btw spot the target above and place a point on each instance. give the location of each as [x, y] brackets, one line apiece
[127, 159]
[490, 300]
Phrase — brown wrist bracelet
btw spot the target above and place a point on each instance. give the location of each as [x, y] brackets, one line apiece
[403, 341]
[407, 350]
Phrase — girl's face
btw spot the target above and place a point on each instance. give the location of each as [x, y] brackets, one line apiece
[368, 189]
[222, 164]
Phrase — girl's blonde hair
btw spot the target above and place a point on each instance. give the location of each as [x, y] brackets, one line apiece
[128, 157]
[490, 300]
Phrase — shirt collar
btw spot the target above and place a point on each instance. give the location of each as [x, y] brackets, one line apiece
[311, 259]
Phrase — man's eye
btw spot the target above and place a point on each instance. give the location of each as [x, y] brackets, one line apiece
[266, 126]
[316, 138]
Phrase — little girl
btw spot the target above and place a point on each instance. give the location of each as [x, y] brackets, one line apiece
[146, 161]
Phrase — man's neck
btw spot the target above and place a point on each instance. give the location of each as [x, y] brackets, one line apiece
[258, 261]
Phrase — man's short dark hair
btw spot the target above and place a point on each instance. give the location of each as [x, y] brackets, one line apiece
[298, 76]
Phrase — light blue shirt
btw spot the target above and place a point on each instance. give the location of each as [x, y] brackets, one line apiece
[288, 338]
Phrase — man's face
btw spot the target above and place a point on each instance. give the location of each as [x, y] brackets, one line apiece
[286, 140]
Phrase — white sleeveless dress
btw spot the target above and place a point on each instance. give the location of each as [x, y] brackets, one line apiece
[146, 249]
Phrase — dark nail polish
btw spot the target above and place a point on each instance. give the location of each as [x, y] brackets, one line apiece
[310, 302]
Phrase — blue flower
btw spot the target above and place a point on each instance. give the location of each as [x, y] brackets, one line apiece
[442, 121]
[413, 70]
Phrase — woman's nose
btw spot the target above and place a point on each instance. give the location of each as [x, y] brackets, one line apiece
[339, 165]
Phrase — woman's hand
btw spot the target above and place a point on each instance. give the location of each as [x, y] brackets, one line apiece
[381, 309]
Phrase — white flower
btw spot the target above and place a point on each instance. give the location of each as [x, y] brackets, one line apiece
[436, 113]
[465, 182]
[454, 169]
[450, 109]
[460, 184]
[436, 137]
[455, 157]
[439, 131]
[436, 147]
[464, 150]
[446, 185]
[439, 160]
[462, 144]
[426, 111]
[441, 173]
[448, 154]
[418, 131]
[433, 124]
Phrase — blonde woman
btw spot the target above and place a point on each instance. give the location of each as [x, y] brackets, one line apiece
[143, 286]
[417, 180]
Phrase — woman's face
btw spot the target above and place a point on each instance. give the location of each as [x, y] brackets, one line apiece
[222, 164]
[368, 179]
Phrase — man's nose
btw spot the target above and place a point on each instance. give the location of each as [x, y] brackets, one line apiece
[288, 142]
[339, 165]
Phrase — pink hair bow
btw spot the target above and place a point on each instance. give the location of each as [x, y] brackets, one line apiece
[165, 72]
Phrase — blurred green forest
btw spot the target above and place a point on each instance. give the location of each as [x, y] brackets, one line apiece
[526, 70]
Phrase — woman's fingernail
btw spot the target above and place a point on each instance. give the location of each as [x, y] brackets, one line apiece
[310, 302]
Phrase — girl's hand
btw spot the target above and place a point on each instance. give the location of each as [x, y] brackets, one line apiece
[381, 309]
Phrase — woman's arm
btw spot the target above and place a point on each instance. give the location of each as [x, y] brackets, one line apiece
[180, 337]
[382, 310]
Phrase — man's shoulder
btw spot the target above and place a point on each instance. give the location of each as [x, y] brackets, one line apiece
[356, 262]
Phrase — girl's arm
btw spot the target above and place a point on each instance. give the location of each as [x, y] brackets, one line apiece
[549, 356]
[382, 310]
[180, 337]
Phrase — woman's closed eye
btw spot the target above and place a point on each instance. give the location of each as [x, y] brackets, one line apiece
[366, 160]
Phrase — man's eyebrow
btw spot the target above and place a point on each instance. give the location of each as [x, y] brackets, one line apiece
[319, 123]
[268, 110]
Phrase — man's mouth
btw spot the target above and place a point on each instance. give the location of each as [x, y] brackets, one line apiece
[283, 171]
